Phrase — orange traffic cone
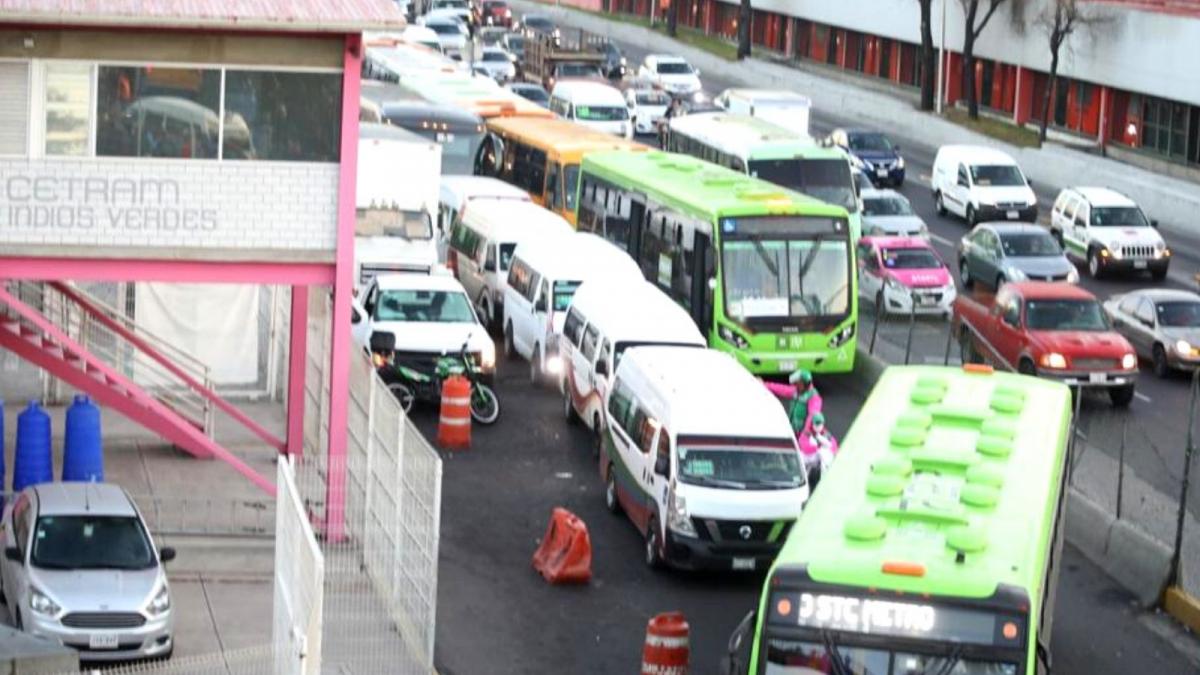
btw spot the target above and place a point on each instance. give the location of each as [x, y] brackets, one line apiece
[454, 422]
[565, 555]
[666, 648]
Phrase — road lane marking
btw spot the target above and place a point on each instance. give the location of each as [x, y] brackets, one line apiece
[942, 240]
[1142, 397]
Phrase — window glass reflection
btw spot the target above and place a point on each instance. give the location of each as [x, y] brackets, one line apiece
[68, 109]
[282, 116]
[157, 112]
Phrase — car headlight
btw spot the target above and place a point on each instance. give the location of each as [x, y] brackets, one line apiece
[900, 163]
[1073, 276]
[1054, 360]
[841, 337]
[923, 231]
[42, 604]
[727, 334]
[1183, 347]
[1129, 361]
[488, 356]
[160, 603]
[677, 515]
[893, 284]
[1014, 274]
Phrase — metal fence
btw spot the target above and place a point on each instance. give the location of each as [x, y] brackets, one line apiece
[299, 579]
[257, 660]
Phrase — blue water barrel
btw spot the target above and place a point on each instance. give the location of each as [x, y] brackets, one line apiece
[32, 462]
[83, 459]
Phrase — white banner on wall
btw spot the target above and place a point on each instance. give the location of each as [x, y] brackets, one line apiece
[216, 323]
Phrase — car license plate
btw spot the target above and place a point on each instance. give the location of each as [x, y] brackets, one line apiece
[1012, 215]
[743, 563]
[1097, 377]
[925, 300]
[103, 641]
[1139, 264]
[882, 173]
[787, 366]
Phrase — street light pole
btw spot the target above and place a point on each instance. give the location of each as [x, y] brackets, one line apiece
[941, 59]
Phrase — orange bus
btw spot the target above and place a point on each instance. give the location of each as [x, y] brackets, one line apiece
[542, 156]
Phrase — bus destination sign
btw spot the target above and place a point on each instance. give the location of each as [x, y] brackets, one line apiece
[782, 226]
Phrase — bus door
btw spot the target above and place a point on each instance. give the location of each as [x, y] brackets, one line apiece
[703, 279]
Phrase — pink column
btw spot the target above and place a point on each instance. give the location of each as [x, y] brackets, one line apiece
[297, 354]
[339, 366]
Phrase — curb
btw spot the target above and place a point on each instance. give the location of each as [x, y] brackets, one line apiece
[1135, 560]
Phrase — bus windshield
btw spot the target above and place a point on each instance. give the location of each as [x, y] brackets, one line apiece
[798, 657]
[458, 148]
[735, 468]
[826, 179]
[777, 278]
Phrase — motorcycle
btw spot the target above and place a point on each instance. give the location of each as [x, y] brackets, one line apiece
[817, 448]
[409, 383]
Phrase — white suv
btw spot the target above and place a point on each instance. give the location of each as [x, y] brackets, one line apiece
[1108, 231]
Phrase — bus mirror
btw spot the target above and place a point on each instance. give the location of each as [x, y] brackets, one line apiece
[712, 283]
[734, 664]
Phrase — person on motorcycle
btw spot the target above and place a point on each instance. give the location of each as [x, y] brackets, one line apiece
[817, 449]
[804, 400]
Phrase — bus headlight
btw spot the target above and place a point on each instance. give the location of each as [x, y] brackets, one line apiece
[677, 515]
[841, 337]
[727, 334]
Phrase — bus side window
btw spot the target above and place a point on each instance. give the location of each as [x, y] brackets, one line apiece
[553, 187]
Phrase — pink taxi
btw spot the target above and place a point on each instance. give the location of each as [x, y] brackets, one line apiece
[900, 272]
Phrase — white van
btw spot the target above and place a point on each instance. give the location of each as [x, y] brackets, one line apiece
[702, 458]
[606, 317]
[482, 242]
[457, 191]
[981, 184]
[593, 105]
[542, 280]
[784, 108]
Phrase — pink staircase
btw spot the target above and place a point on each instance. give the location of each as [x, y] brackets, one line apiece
[35, 338]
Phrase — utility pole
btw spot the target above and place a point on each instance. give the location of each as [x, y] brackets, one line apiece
[941, 60]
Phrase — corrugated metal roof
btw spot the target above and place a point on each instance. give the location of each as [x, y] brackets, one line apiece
[310, 16]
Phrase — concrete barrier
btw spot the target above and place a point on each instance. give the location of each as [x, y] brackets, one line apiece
[22, 653]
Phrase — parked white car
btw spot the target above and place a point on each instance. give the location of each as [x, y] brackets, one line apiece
[81, 569]
[495, 62]
[647, 107]
[1109, 232]
[672, 74]
[981, 184]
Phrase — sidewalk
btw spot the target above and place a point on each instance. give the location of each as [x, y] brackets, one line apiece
[1173, 202]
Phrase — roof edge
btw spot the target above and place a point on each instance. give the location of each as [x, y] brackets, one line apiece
[184, 23]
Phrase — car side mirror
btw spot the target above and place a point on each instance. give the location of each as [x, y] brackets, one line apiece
[1029, 182]
[602, 367]
[13, 554]
[897, 148]
[697, 71]
[662, 465]
[1154, 223]
[166, 555]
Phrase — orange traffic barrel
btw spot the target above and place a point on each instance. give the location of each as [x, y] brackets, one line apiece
[454, 422]
[666, 648]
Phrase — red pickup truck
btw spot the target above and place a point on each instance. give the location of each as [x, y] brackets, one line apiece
[1050, 330]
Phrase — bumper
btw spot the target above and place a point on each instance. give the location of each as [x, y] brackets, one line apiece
[840, 360]
[1155, 265]
[691, 553]
[893, 176]
[990, 212]
[644, 125]
[1091, 379]
[935, 301]
[154, 638]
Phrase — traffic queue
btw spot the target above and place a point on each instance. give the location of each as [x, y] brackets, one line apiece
[680, 299]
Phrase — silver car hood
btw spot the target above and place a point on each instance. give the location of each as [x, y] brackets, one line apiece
[897, 225]
[1040, 265]
[97, 590]
[1192, 335]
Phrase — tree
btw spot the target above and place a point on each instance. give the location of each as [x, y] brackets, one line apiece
[974, 26]
[744, 18]
[928, 60]
[673, 17]
[1060, 20]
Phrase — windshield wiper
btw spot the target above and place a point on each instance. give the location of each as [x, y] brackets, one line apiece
[946, 667]
[795, 482]
[762, 253]
[709, 480]
[835, 657]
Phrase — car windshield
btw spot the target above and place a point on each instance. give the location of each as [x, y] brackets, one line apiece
[775, 278]
[886, 206]
[652, 98]
[674, 68]
[1029, 245]
[1083, 315]
[601, 113]
[539, 23]
[445, 28]
[563, 292]
[910, 259]
[495, 56]
[578, 70]
[516, 44]
[825, 179]
[571, 182]
[1179, 314]
[740, 468]
[996, 175]
[795, 657]
[411, 225]
[870, 142]
[451, 4]
[1118, 216]
[91, 542]
[535, 94]
[424, 307]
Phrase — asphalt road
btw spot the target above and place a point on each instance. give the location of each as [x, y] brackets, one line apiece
[496, 615]
[1157, 417]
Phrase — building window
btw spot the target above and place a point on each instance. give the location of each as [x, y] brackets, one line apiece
[282, 116]
[885, 58]
[14, 108]
[1165, 126]
[68, 108]
[152, 111]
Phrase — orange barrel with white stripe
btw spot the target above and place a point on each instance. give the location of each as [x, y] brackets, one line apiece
[666, 649]
[454, 422]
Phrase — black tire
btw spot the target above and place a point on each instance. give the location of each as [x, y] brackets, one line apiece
[18, 623]
[404, 395]
[485, 406]
[1121, 397]
[964, 274]
[652, 555]
[966, 349]
[510, 349]
[1161, 367]
[1093, 264]
[569, 413]
[970, 216]
[611, 502]
[879, 303]
[938, 203]
[536, 373]
[1000, 281]
[1026, 367]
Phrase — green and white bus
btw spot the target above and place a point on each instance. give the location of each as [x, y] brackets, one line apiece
[766, 273]
[933, 544]
[768, 151]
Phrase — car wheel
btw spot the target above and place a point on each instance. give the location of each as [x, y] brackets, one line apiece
[939, 203]
[17, 622]
[611, 502]
[535, 366]
[964, 274]
[1161, 367]
[970, 216]
[653, 554]
[1121, 397]
[510, 349]
[1026, 367]
[1093, 264]
[966, 349]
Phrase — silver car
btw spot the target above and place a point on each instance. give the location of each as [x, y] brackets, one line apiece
[80, 568]
[495, 62]
[1162, 325]
[996, 253]
[887, 213]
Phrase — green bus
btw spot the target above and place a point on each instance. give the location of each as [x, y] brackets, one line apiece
[753, 146]
[934, 542]
[767, 274]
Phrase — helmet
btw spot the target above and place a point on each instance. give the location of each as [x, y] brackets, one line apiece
[818, 420]
[802, 377]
